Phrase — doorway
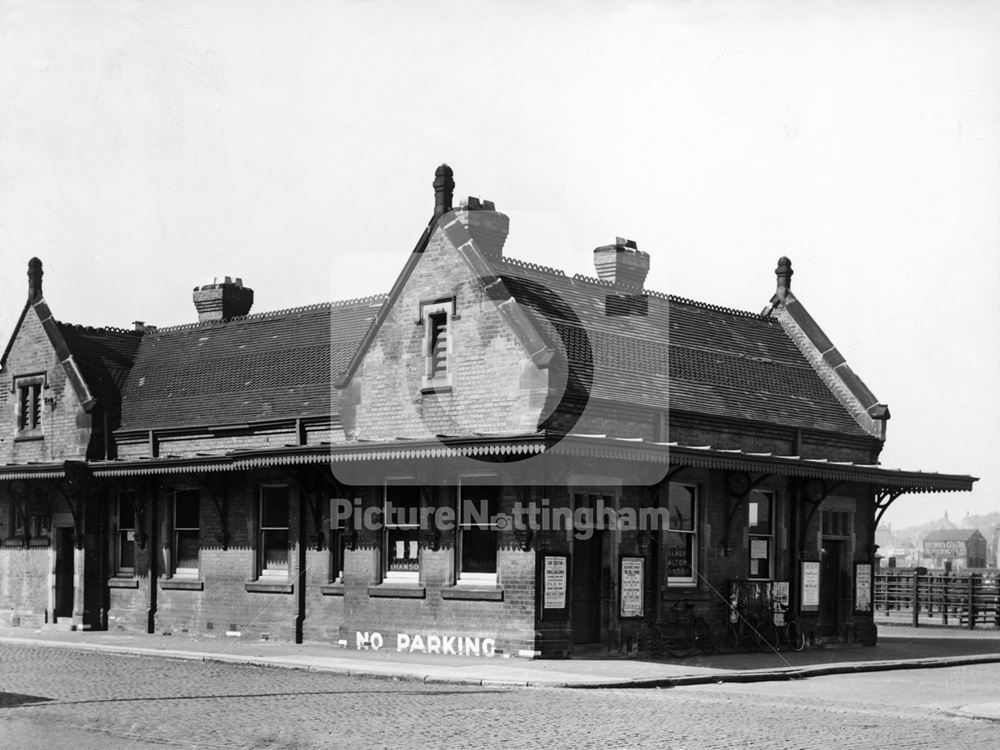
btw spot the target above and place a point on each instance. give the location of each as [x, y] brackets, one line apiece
[586, 589]
[65, 569]
[831, 585]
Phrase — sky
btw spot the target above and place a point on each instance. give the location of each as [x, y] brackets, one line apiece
[149, 148]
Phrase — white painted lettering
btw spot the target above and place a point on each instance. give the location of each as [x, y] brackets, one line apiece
[433, 644]
[489, 647]
[402, 642]
[472, 646]
[418, 645]
[448, 647]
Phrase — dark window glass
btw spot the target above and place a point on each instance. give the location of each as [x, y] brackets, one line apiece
[402, 531]
[478, 535]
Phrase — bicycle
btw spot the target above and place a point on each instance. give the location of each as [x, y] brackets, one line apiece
[746, 629]
[791, 631]
[686, 632]
[771, 636]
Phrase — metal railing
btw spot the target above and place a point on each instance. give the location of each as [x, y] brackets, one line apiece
[967, 599]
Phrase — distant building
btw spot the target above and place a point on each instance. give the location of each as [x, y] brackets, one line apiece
[962, 548]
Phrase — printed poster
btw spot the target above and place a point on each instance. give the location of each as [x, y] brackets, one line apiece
[632, 584]
[810, 587]
[554, 585]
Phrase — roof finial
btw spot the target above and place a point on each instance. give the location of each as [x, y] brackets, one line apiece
[34, 280]
[444, 190]
[784, 273]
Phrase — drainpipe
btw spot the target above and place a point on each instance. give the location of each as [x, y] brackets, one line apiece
[300, 554]
[153, 545]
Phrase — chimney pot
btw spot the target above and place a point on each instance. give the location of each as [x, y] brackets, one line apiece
[223, 301]
[623, 264]
[34, 280]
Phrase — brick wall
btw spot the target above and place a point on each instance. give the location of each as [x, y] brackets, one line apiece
[495, 388]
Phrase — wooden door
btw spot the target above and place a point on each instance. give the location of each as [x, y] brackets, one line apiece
[64, 572]
[830, 585]
[586, 588]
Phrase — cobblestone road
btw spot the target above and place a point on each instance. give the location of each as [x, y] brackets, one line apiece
[53, 697]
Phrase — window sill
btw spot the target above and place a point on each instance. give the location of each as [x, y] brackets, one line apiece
[123, 582]
[472, 593]
[397, 591]
[269, 587]
[182, 584]
[27, 438]
[435, 388]
[39, 541]
[332, 589]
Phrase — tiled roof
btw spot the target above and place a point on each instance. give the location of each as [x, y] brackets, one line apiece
[675, 352]
[950, 535]
[265, 366]
[105, 356]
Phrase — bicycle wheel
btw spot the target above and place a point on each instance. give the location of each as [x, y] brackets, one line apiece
[678, 641]
[703, 636]
[796, 635]
[767, 636]
[733, 636]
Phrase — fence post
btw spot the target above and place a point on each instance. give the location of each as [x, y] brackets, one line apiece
[916, 598]
[971, 603]
[945, 596]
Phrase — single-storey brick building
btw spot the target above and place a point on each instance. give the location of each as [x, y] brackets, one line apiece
[958, 548]
[493, 457]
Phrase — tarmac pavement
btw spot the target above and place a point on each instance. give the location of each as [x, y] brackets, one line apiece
[898, 648]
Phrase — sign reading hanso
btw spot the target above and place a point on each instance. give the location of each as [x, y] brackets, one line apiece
[454, 645]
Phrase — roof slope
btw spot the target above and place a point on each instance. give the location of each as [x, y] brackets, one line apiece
[104, 356]
[260, 367]
[677, 353]
[951, 535]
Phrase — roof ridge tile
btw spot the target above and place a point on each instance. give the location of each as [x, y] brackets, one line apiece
[272, 313]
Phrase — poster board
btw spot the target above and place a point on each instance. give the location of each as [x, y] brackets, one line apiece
[863, 587]
[632, 587]
[554, 575]
[809, 595]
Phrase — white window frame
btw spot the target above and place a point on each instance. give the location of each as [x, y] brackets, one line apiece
[463, 578]
[262, 571]
[336, 545]
[768, 537]
[122, 535]
[692, 580]
[388, 526]
[175, 530]
[433, 380]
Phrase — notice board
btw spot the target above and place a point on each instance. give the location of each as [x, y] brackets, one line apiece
[554, 578]
[632, 582]
[810, 587]
[863, 587]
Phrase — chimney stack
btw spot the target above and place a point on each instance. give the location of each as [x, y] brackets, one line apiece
[444, 189]
[216, 301]
[34, 280]
[487, 226]
[623, 264]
